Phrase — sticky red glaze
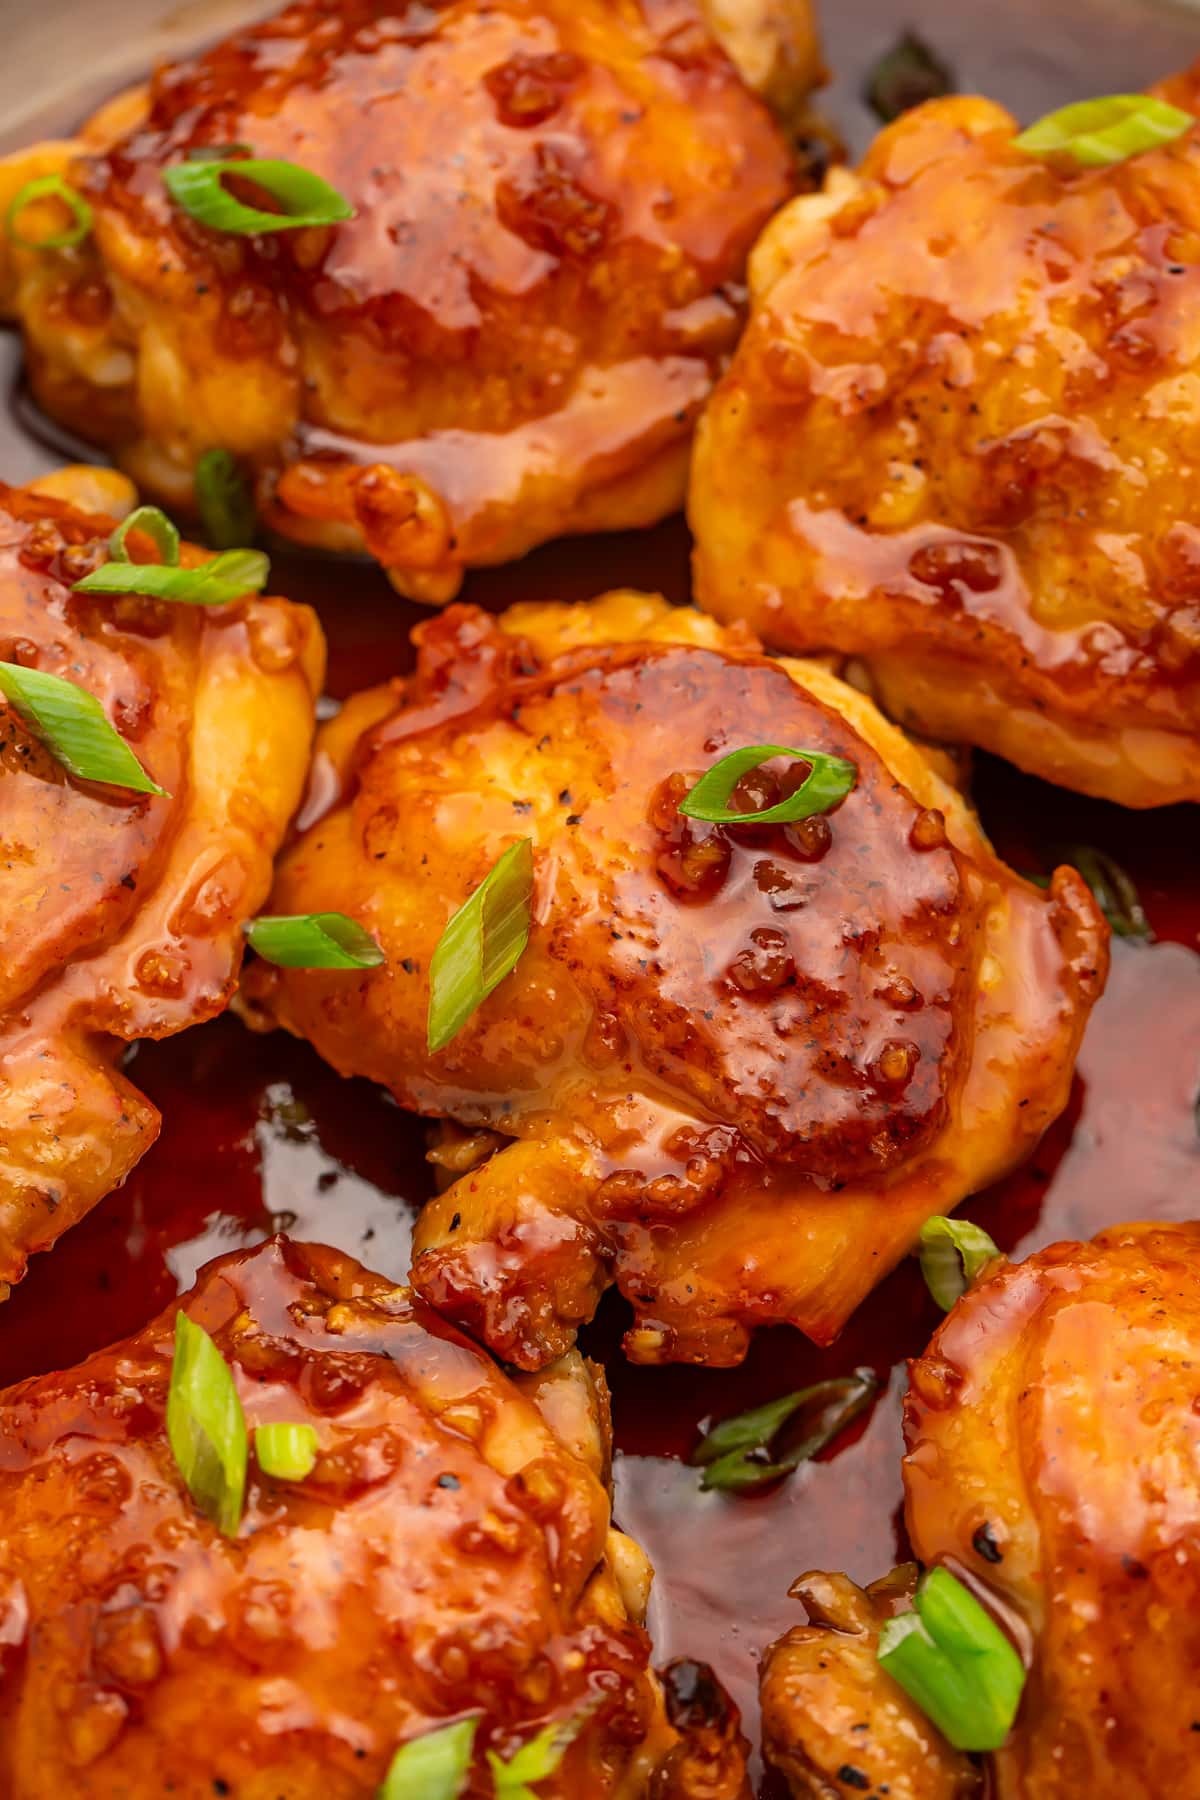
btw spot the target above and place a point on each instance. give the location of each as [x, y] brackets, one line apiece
[740, 1064]
[512, 336]
[121, 914]
[1127, 1144]
[446, 1556]
[956, 440]
[471, 88]
[1059, 1405]
[694, 923]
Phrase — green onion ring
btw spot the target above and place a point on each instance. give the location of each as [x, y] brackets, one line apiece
[233, 575]
[953, 1251]
[43, 187]
[951, 1657]
[284, 1451]
[831, 779]
[1099, 133]
[481, 944]
[198, 187]
[434, 1766]
[156, 525]
[313, 941]
[206, 1427]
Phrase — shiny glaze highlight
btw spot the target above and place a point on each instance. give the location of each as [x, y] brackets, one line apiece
[959, 439]
[554, 200]
[120, 915]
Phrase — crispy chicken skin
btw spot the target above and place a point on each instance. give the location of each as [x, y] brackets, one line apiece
[775, 46]
[960, 440]
[121, 914]
[1053, 1431]
[451, 1554]
[513, 337]
[740, 1066]
[833, 1723]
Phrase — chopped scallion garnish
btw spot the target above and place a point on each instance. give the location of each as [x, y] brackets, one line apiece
[286, 1452]
[49, 187]
[224, 501]
[74, 727]
[432, 1767]
[1097, 133]
[953, 1251]
[953, 1659]
[231, 576]
[481, 944]
[206, 1426]
[313, 941]
[535, 1761]
[197, 185]
[829, 781]
[737, 1454]
[157, 527]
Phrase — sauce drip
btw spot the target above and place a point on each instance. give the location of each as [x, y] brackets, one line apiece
[259, 1134]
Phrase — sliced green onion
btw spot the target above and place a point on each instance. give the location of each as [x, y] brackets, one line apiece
[206, 1426]
[1098, 133]
[198, 187]
[953, 1251]
[481, 944]
[906, 76]
[156, 525]
[953, 1659]
[224, 501]
[287, 1452]
[829, 782]
[45, 187]
[230, 576]
[313, 941]
[535, 1761]
[432, 1767]
[737, 1454]
[74, 728]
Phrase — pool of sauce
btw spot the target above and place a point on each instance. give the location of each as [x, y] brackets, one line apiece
[259, 1135]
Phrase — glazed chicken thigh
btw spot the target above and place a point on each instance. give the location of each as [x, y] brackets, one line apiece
[1053, 1431]
[738, 1065]
[512, 336]
[959, 441]
[121, 913]
[450, 1555]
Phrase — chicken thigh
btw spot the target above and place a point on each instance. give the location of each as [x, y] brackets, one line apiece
[509, 340]
[1053, 1431]
[738, 1065]
[959, 440]
[449, 1555]
[121, 913]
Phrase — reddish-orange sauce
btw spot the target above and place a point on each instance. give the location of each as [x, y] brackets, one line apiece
[258, 1133]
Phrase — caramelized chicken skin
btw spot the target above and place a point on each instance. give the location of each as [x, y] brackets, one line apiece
[451, 1554]
[740, 1066]
[120, 913]
[1053, 1431]
[775, 47]
[510, 340]
[959, 440]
